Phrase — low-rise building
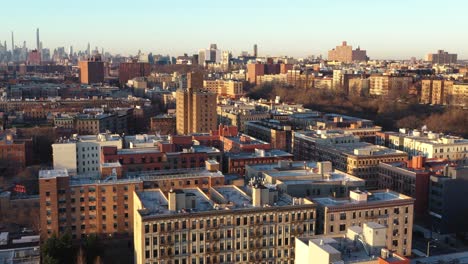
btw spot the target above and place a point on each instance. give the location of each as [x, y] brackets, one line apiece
[384, 207]
[427, 144]
[347, 154]
[411, 178]
[360, 245]
[305, 178]
[279, 135]
[236, 162]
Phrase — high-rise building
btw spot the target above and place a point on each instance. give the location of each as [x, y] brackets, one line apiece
[195, 107]
[255, 50]
[345, 53]
[253, 71]
[38, 43]
[12, 43]
[441, 57]
[92, 70]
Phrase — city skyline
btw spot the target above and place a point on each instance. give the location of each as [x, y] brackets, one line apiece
[277, 28]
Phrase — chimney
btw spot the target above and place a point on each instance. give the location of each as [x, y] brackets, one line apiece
[172, 197]
[261, 196]
[417, 162]
[177, 200]
[324, 167]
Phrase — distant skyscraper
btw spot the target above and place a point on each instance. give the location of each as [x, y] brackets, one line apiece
[255, 50]
[88, 51]
[38, 43]
[70, 51]
[12, 43]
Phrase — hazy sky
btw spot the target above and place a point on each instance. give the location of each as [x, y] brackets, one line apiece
[385, 28]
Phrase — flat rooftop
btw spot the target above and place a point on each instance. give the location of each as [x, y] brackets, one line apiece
[156, 203]
[294, 165]
[372, 197]
[248, 140]
[48, 174]
[138, 151]
[266, 153]
[349, 250]
[365, 149]
[312, 177]
[227, 197]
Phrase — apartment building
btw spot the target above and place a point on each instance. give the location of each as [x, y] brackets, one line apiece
[411, 178]
[304, 178]
[345, 53]
[427, 144]
[384, 85]
[82, 154]
[229, 88]
[384, 207]
[83, 205]
[195, 107]
[447, 191]
[277, 133]
[459, 94]
[242, 143]
[435, 91]
[155, 159]
[347, 154]
[441, 57]
[237, 162]
[227, 224]
[239, 117]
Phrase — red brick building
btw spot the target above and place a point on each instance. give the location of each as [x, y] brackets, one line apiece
[235, 162]
[130, 70]
[15, 154]
[410, 178]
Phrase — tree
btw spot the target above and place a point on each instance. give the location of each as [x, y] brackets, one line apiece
[58, 249]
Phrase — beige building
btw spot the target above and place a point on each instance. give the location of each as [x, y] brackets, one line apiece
[459, 94]
[359, 86]
[227, 224]
[384, 85]
[347, 154]
[228, 88]
[195, 108]
[435, 91]
[427, 144]
[323, 83]
[384, 207]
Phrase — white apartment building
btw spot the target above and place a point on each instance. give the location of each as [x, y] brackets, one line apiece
[82, 154]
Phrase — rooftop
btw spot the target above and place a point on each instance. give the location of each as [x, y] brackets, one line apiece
[258, 154]
[371, 197]
[48, 174]
[227, 197]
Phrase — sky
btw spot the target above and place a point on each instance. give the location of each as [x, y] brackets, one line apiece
[397, 29]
